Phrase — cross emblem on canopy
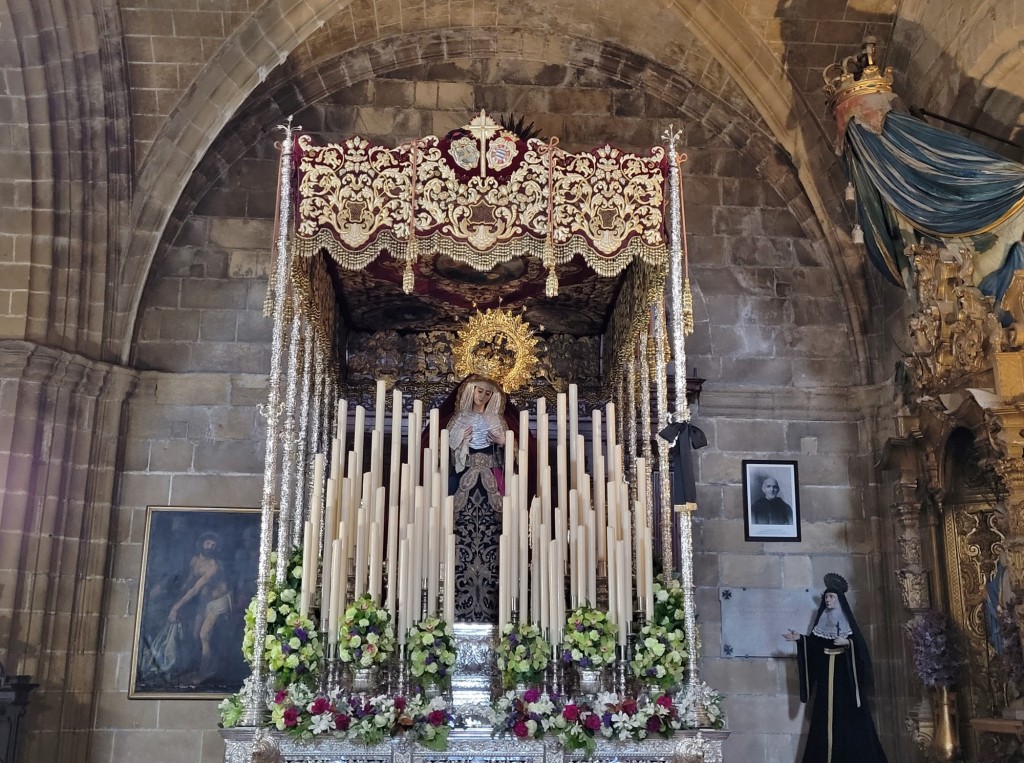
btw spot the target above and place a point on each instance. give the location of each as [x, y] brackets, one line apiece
[483, 128]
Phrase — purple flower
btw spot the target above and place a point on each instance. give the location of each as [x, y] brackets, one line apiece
[592, 722]
[532, 695]
[301, 634]
[566, 656]
[654, 723]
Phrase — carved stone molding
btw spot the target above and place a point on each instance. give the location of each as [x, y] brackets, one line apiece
[914, 589]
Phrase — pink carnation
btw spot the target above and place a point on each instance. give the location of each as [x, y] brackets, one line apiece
[571, 713]
[592, 722]
[520, 729]
[291, 717]
[320, 706]
[531, 695]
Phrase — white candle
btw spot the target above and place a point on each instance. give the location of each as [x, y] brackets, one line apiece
[449, 583]
[333, 614]
[524, 568]
[396, 446]
[555, 580]
[435, 433]
[543, 592]
[591, 559]
[361, 553]
[341, 581]
[341, 432]
[524, 432]
[405, 587]
[648, 573]
[433, 558]
[307, 559]
[581, 555]
[375, 562]
[599, 507]
[376, 458]
[502, 581]
[510, 445]
[317, 500]
[379, 410]
[428, 475]
[574, 562]
[575, 455]
[358, 437]
[613, 578]
[624, 608]
[392, 559]
[444, 452]
[416, 446]
[561, 451]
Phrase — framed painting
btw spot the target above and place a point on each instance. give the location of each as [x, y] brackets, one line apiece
[771, 501]
[198, 576]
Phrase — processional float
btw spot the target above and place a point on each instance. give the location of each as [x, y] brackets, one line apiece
[578, 517]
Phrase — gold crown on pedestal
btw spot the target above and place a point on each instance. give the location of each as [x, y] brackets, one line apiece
[856, 75]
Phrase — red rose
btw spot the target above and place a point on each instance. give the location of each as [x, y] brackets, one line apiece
[629, 706]
[342, 721]
[571, 713]
[665, 701]
[436, 717]
[520, 730]
[320, 706]
[291, 717]
[592, 722]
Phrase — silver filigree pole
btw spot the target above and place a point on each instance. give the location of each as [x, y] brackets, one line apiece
[645, 426]
[254, 691]
[665, 493]
[291, 518]
[681, 414]
[631, 421]
[304, 446]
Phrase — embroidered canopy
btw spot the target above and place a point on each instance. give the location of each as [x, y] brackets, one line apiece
[482, 196]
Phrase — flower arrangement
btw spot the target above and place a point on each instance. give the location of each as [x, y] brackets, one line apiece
[522, 654]
[578, 725]
[660, 656]
[302, 713]
[669, 603]
[527, 717]
[292, 650]
[589, 639]
[937, 654]
[231, 710]
[712, 705]
[431, 644]
[365, 636]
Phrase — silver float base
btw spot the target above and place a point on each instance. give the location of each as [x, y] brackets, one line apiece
[473, 746]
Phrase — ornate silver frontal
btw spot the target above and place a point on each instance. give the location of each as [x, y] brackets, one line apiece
[472, 746]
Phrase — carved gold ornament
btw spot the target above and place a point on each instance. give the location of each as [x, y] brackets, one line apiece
[498, 345]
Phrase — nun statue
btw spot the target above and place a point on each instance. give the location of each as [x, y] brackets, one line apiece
[835, 672]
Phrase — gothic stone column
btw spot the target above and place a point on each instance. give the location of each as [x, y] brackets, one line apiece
[60, 420]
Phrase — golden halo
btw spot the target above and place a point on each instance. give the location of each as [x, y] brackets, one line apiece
[498, 345]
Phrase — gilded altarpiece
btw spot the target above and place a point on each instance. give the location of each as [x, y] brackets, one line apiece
[972, 544]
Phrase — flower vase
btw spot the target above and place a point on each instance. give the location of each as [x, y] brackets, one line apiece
[362, 679]
[589, 680]
[945, 741]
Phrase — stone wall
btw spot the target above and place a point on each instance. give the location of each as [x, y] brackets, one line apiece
[192, 439]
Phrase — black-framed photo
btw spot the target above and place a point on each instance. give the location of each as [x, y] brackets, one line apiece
[198, 576]
[771, 501]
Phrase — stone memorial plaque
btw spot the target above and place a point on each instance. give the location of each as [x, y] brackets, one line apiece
[754, 619]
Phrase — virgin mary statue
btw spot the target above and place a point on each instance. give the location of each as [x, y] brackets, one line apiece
[476, 436]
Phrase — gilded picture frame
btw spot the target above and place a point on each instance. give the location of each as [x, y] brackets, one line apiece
[198, 576]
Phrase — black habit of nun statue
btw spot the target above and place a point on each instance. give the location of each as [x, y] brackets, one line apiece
[684, 438]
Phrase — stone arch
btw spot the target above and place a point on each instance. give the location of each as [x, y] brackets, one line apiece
[273, 33]
[78, 170]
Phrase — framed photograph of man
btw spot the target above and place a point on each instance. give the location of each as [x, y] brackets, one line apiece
[771, 501]
[198, 576]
